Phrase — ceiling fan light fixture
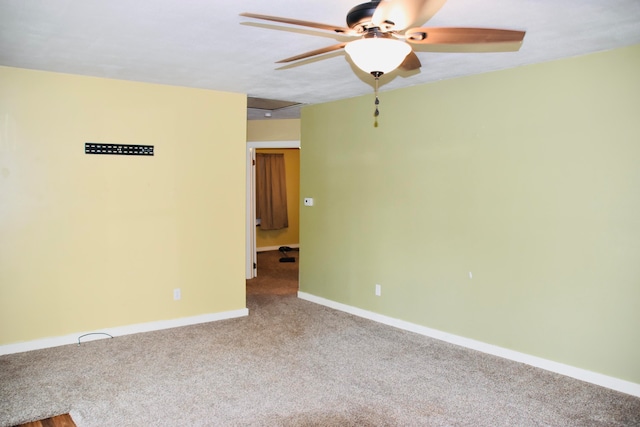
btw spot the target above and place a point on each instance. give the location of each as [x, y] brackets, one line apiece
[377, 54]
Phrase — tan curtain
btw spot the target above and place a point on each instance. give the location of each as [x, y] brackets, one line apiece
[271, 192]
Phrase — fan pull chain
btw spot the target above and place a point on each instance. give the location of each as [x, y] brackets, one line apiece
[377, 102]
[377, 75]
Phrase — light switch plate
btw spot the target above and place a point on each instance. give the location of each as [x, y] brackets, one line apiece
[308, 201]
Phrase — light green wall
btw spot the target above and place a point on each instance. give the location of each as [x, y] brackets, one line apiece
[89, 242]
[529, 178]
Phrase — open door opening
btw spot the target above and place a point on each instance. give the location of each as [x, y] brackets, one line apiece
[251, 267]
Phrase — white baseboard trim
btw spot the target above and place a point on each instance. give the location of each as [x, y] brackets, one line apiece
[538, 362]
[275, 248]
[120, 331]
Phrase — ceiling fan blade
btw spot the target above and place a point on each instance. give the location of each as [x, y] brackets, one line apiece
[405, 13]
[339, 30]
[313, 53]
[411, 62]
[467, 39]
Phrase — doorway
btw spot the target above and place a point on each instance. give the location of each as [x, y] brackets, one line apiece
[251, 267]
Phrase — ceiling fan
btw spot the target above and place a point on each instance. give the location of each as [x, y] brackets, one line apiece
[385, 29]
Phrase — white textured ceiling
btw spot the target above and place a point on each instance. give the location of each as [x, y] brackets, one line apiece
[206, 44]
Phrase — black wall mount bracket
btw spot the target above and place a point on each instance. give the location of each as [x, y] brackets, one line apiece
[118, 149]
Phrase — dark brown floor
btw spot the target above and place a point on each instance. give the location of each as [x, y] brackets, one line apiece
[275, 277]
[57, 421]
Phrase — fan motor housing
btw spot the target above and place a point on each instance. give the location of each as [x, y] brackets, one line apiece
[361, 14]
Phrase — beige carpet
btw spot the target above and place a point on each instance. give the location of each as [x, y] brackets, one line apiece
[275, 277]
[294, 363]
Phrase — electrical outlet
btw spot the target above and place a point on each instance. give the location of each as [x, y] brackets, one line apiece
[176, 294]
[378, 290]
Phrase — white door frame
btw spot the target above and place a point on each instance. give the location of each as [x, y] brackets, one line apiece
[251, 252]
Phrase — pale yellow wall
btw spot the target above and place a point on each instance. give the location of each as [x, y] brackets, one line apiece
[90, 242]
[273, 130]
[529, 178]
[287, 236]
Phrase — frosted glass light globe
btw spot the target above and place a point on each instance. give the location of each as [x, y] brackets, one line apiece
[377, 54]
